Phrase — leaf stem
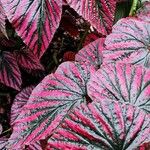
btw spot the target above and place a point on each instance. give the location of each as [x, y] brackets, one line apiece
[133, 7]
[6, 131]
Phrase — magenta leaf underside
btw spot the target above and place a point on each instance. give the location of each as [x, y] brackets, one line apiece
[122, 82]
[91, 54]
[129, 42]
[27, 60]
[144, 12]
[9, 71]
[50, 102]
[105, 125]
[2, 20]
[36, 21]
[20, 100]
[100, 13]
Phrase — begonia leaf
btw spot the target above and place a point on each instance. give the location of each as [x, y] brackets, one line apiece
[129, 42]
[107, 125]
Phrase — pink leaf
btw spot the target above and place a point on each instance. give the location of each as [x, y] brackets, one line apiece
[27, 60]
[144, 12]
[3, 143]
[129, 42]
[2, 20]
[121, 82]
[91, 54]
[100, 13]
[49, 103]
[35, 21]
[9, 71]
[106, 125]
[20, 100]
[34, 146]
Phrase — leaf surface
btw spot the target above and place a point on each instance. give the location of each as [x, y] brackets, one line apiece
[2, 20]
[91, 54]
[9, 71]
[106, 125]
[27, 60]
[50, 102]
[36, 21]
[20, 100]
[3, 143]
[122, 82]
[129, 42]
[100, 13]
[144, 12]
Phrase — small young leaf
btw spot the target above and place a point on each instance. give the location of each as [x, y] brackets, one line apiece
[35, 21]
[106, 125]
[9, 71]
[2, 20]
[129, 42]
[27, 60]
[20, 100]
[91, 54]
[100, 13]
[144, 12]
[50, 102]
[69, 56]
[145, 146]
[122, 82]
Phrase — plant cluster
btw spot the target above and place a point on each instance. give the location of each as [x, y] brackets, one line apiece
[98, 98]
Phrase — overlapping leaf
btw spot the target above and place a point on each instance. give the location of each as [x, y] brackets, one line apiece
[27, 60]
[107, 125]
[69, 56]
[50, 102]
[2, 20]
[91, 54]
[19, 101]
[122, 82]
[35, 21]
[144, 12]
[129, 42]
[9, 71]
[100, 13]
